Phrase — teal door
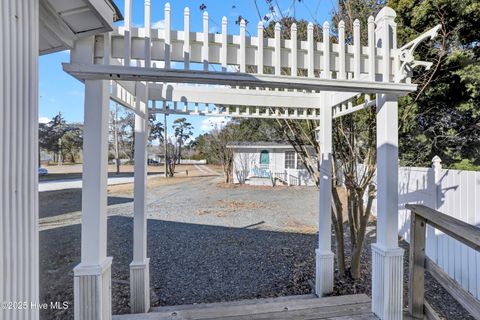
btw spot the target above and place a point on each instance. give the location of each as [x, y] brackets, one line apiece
[264, 159]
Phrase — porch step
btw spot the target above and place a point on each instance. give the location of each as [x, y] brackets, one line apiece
[260, 181]
[231, 303]
[303, 307]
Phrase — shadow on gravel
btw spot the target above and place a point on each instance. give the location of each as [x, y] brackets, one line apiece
[189, 263]
[57, 202]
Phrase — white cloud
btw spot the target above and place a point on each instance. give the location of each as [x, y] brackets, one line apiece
[43, 120]
[160, 24]
[210, 123]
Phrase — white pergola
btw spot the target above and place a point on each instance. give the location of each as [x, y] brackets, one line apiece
[149, 71]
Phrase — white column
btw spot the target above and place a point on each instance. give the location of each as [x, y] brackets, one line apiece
[92, 277]
[324, 255]
[139, 268]
[127, 37]
[387, 257]
[19, 156]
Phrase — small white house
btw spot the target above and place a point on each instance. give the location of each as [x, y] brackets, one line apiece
[265, 163]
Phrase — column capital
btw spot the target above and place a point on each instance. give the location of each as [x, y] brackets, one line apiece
[386, 14]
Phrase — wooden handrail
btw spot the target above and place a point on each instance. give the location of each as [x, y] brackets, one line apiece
[462, 231]
[459, 230]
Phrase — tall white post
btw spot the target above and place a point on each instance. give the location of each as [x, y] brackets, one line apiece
[434, 186]
[387, 257]
[148, 29]
[127, 37]
[139, 268]
[92, 277]
[19, 156]
[324, 254]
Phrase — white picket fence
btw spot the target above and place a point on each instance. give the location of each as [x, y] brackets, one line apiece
[455, 193]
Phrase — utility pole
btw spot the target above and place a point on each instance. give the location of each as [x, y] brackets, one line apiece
[165, 142]
[115, 138]
[60, 158]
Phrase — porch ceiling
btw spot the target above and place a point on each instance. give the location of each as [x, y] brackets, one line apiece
[62, 22]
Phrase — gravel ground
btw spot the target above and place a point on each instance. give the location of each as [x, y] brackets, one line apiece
[206, 243]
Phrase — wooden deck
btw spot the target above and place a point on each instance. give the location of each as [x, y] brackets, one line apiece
[301, 307]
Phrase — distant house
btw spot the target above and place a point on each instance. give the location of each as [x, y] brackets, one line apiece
[265, 163]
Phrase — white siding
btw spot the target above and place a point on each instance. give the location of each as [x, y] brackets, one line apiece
[247, 159]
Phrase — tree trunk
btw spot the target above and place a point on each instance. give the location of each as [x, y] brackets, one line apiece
[337, 219]
[179, 151]
[362, 230]
[60, 158]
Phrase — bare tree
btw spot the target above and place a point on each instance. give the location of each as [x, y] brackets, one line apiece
[242, 164]
[217, 145]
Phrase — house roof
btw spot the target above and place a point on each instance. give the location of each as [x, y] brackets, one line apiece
[259, 144]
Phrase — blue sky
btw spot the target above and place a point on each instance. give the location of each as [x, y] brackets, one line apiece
[60, 92]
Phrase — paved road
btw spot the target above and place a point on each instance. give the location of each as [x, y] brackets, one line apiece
[76, 183]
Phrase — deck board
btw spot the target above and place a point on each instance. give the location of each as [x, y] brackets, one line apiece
[306, 307]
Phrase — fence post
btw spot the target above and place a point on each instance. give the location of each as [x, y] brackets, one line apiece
[436, 166]
[416, 280]
[434, 186]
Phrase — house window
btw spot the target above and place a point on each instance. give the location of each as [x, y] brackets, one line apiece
[289, 159]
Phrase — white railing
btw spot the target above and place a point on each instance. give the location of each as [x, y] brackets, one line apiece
[452, 192]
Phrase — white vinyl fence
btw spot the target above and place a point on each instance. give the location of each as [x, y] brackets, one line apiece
[452, 192]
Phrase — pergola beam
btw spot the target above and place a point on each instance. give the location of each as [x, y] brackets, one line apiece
[291, 105]
[353, 109]
[233, 96]
[231, 111]
[110, 72]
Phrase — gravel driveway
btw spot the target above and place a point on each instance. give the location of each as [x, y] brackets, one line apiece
[206, 242]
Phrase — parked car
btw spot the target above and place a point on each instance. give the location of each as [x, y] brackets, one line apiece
[152, 162]
[42, 171]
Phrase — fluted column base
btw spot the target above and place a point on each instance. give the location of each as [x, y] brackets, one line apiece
[324, 272]
[387, 282]
[92, 291]
[140, 286]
